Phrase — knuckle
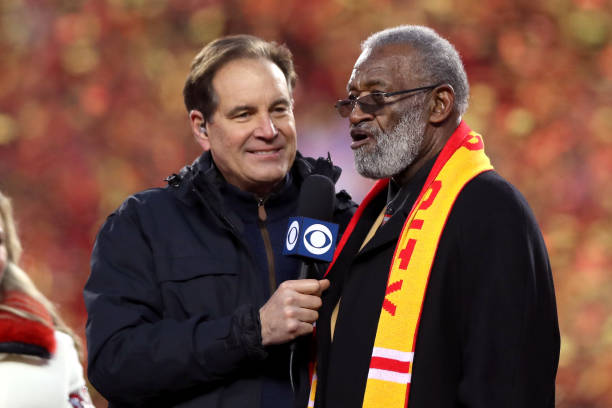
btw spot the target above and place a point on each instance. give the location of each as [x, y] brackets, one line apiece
[292, 326]
[289, 312]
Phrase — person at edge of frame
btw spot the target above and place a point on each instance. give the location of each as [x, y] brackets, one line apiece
[40, 356]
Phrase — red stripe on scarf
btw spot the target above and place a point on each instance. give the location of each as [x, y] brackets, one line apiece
[389, 364]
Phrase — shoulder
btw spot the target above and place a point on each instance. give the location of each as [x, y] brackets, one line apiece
[178, 188]
[490, 202]
[490, 193]
[137, 209]
[144, 200]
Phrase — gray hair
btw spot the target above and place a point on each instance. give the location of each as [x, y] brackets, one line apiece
[439, 60]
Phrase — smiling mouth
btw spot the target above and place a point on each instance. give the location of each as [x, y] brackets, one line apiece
[265, 152]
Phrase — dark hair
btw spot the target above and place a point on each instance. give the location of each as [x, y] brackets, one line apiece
[198, 92]
[439, 60]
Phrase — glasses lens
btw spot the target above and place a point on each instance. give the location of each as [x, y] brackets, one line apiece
[345, 107]
[371, 103]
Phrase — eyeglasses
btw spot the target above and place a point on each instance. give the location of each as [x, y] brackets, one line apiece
[372, 102]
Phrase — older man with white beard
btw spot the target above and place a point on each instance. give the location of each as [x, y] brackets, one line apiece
[441, 290]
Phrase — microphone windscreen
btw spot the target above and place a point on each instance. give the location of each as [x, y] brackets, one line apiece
[316, 199]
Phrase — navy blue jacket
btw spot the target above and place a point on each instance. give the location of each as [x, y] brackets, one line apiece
[176, 285]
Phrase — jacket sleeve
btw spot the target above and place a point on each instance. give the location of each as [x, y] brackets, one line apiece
[508, 320]
[135, 352]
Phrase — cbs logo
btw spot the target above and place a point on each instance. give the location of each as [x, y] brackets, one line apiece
[317, 239]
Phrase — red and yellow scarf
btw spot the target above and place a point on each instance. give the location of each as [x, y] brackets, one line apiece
[390, 373]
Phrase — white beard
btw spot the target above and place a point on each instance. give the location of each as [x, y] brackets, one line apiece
[394, 151]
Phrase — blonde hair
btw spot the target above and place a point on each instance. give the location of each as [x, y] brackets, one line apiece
[14, 278]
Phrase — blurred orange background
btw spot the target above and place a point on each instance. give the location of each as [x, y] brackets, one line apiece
[91, 111]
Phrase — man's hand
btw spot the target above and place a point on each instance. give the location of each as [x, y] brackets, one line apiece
[291, 310]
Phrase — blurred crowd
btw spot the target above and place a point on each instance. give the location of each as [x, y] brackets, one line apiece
[91, 111]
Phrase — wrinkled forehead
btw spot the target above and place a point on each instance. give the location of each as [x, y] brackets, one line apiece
[387, 66]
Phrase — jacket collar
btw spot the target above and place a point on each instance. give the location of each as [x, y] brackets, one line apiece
[202, 184]
[203, 174]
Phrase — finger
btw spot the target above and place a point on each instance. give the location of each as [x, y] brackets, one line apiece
[298, 314]
[306, 286]
[294, 315]
[323, 285]
[300, 300]
[297, 319]
[304, 328]
[307, 315]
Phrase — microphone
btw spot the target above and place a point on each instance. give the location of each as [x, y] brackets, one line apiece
[311, 236]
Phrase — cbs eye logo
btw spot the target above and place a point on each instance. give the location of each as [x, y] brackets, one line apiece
[292, 235]
[317, 239]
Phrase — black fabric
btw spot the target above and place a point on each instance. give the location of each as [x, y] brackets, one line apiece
[488, 334]
[276, 388]
[174, 294]
[16, 347]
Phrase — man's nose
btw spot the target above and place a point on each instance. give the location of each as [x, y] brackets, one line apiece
[266, 128]
[357, 115]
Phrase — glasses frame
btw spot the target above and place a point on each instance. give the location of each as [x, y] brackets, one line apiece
[372, 108]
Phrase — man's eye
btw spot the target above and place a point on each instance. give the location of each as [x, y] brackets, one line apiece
[243, 115]
[377, 97]
[280, 110]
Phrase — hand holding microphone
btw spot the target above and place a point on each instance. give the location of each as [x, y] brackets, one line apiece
[292, 309]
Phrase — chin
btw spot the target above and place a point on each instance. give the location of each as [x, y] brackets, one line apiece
[268, 177]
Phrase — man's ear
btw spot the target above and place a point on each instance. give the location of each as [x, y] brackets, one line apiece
[199, 129]
[442, 103]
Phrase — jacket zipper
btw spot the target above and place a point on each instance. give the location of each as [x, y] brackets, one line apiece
[265, 235]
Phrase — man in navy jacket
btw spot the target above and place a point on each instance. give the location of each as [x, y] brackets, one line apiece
[190, 302]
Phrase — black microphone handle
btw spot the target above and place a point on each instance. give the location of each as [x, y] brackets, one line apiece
[304, 269]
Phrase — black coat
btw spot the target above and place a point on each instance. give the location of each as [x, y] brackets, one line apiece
[488, 334]
[175, 290]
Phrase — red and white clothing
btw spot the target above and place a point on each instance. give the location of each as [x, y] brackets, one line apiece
[39, 366]
[57, 382]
